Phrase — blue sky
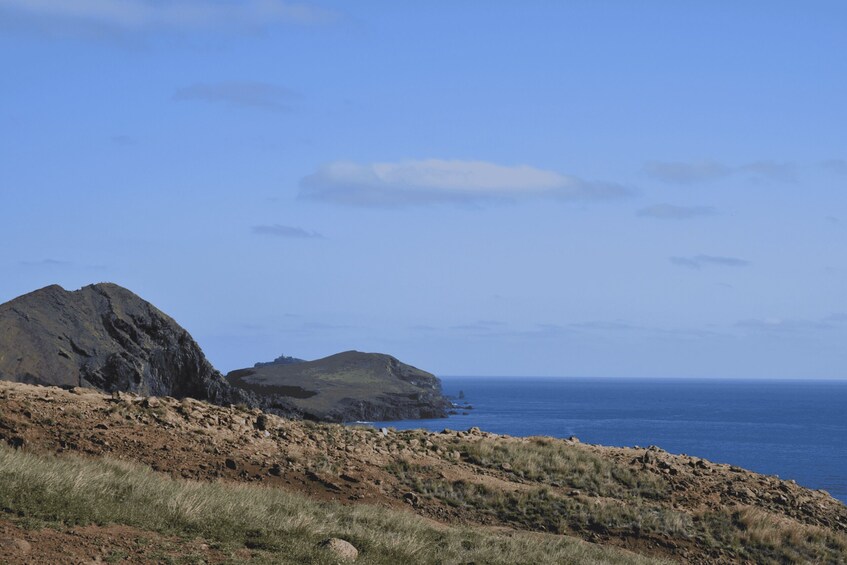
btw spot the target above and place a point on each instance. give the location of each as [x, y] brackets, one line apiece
[480, 188]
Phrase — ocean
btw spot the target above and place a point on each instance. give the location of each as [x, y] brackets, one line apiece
[793, 429]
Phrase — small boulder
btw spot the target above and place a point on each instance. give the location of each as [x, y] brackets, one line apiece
[342, 549]
[18, 545]
[230, 464]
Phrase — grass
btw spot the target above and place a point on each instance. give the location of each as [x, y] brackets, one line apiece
[540, 508]
[767, 538]
[551, 461]
[612, 500]
[282, 527]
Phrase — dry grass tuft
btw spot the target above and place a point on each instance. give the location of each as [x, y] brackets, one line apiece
[285, 527]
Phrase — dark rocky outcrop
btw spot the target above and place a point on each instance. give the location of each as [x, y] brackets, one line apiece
[347, 386]
[105, 337]
[281, 360]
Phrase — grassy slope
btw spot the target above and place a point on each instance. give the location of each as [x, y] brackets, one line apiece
[285, 527]
[636, 503]
[646, 500]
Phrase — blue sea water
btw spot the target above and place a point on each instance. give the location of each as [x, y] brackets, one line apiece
[794, 429]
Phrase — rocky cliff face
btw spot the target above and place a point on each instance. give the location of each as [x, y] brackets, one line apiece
[105, 337]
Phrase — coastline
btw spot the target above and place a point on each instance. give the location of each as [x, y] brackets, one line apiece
[701, 417]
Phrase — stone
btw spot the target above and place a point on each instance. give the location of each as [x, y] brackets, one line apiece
[230, 464]
[342, 549]
[16, 544]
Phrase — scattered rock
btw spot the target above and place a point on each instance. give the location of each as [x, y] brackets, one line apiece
[340, 548]
[17, 544]
[16, 442]
[230, 464]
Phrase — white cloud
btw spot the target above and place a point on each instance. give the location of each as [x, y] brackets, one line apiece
[171, 14]
[436, 180]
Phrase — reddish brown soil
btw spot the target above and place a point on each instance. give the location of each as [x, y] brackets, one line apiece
[191, 439]
[101, 544]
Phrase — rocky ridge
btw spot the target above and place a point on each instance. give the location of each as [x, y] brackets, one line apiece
[643, 499]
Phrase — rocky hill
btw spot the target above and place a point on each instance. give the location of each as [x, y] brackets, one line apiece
[664, 507]
[105, 337]
[347, 386]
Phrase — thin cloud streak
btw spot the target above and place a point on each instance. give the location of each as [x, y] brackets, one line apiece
[836, 321]
[699, 261]
[243, 94]
[672, 212]
[679, 172]
[181, 15]
[837, 166]
[436, 181]
[46, 263]
[278, 230]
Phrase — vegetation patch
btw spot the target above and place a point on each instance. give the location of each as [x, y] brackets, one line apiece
[550, 461]
[280, 527]
[540, 508]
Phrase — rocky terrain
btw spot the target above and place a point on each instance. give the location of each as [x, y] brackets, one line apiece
[173, 451]
[349, 386]
[643, 500]
[105, 337]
